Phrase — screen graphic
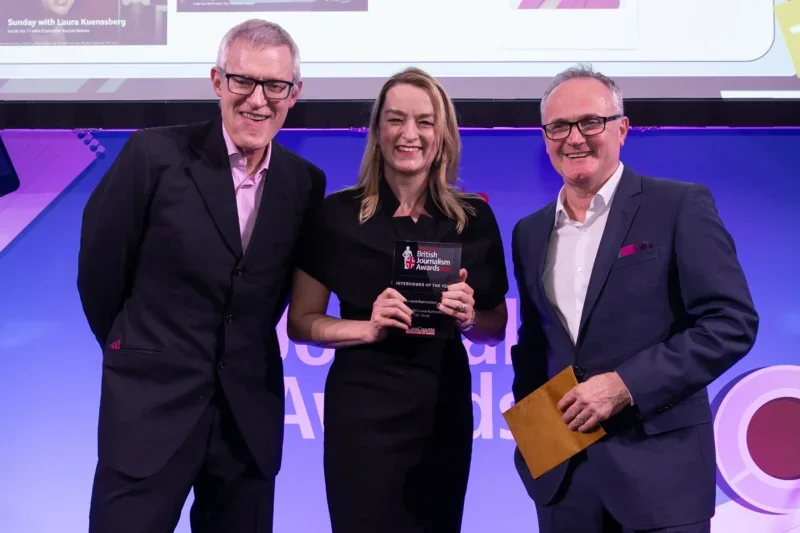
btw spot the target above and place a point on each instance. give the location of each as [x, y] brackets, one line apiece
[9, 181]
[565, 4]
[49, 23]
[492, 49]
[265, 6]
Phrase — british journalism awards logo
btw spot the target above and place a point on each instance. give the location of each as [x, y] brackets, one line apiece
[429, 258]
[408, 259]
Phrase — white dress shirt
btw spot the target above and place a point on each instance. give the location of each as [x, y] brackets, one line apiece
[571, 254]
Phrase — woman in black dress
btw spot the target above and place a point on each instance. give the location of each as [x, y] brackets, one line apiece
[398, 410]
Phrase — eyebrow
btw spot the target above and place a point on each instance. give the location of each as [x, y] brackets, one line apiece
[400, 113]
[577, 119]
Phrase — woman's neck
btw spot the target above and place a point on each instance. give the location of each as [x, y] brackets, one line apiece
[411, 192]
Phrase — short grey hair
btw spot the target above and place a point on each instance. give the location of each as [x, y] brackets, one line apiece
[585, 71]
[259, 33]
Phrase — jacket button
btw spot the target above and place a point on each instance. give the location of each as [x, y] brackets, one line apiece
[221, 365]
[239, 271]
[580, 372]
[229, 319]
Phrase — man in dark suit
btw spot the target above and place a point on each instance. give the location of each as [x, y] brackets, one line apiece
[634, 282]
[186, 254]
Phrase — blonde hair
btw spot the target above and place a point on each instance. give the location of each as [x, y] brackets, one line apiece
[443, 174]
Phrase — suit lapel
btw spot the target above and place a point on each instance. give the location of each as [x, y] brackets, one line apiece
[546, 233]
[211, 173]
[623, 210]
[275, 199]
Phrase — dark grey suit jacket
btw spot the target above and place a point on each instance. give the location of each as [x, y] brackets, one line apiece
[175, 304]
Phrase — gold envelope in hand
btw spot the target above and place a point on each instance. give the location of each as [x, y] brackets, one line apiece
[544, 440]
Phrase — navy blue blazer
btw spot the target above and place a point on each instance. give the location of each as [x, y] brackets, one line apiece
[669, 319]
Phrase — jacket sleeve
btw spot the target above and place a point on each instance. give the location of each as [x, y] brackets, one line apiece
[717, 300]
[112, 227]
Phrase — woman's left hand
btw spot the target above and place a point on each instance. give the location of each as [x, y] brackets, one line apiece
[458, 301]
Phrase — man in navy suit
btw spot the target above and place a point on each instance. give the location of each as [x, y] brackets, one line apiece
[634, 281]
[187, 250]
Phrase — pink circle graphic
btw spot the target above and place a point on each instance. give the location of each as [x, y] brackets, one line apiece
[757, 433]
[773, 438]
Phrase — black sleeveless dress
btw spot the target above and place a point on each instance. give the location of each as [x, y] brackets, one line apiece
[398, 413]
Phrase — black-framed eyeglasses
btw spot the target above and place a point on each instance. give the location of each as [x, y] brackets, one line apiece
[589, 126]
[245, 85]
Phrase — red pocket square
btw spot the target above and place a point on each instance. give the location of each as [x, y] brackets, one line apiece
[631, 249]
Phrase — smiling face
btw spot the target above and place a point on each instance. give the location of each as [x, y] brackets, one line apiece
[584, 161]
[253, 120]
[408, 136]
[59, 7]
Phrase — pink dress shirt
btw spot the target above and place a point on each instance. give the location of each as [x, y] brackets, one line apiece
[248, 189]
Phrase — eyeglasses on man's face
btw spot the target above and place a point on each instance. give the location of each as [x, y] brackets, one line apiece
[588, 127]
[245, 85]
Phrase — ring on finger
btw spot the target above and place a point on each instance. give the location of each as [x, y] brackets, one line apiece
[463, 307]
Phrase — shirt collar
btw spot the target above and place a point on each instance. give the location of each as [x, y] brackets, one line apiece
[601, 199]
[239, 161]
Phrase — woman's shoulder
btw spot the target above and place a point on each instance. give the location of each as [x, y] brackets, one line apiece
[482, 212]
[342, 201]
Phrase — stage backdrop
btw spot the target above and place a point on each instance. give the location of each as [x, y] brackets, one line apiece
[50, 382]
